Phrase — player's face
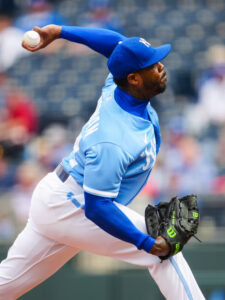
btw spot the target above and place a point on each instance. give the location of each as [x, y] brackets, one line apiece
[154, 79]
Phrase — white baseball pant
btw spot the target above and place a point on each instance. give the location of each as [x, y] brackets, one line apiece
[57, 230]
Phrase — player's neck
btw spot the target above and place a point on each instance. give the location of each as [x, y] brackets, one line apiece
[136, 93]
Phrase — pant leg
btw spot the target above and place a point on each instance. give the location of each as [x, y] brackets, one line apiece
[173, 276]
[66, 223]
[175, 279]
[31, 259]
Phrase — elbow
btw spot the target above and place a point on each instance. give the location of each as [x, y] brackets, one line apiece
[95, 208]
[90, 213]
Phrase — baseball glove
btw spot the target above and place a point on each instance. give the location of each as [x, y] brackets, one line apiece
[176, 221]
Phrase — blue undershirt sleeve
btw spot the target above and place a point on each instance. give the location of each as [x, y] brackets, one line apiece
[104, 213]
[101, 40]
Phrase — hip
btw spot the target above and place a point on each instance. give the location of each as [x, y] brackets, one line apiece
[54, 198]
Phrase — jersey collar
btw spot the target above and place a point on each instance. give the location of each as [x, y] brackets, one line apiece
[130, 104]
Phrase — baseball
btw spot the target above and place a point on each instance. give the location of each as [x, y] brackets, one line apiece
[31, 38]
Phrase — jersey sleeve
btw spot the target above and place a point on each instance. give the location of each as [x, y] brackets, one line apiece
[99, 39]
[105, 164]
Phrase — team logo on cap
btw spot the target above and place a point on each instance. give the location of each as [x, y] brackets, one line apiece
[143, 41]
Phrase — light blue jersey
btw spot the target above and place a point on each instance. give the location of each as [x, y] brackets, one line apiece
[115, 151]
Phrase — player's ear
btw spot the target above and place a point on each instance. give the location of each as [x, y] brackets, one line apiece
[134, 79]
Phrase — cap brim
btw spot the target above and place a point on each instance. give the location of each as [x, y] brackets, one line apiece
[160, 53]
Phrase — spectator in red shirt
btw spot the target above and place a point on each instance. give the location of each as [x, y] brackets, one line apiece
[19, 122]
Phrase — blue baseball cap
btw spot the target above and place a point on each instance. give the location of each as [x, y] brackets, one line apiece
[134, 54]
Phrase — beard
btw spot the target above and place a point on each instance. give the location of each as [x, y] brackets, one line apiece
[155, 88]
[161, 88]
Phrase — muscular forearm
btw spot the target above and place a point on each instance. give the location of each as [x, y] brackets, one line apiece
[104, 213]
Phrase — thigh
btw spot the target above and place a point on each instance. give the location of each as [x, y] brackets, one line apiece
[69, 226]
[62, 221]
[173, 277]
[31, 259]
[57, 217]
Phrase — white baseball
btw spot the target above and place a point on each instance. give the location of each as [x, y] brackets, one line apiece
[31, 38]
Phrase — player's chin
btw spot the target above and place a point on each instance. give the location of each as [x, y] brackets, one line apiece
[162, 88]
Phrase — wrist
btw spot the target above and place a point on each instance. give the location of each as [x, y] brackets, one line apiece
[63, 32]
[161, 247]
[57, 31]
[52, 31]
[147, 244]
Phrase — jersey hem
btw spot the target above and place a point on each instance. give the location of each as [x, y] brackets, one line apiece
[99, 193]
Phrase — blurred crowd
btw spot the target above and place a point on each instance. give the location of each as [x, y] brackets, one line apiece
[191, 158]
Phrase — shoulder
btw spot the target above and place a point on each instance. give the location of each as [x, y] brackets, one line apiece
[109, 82]
[110, 127]
[102, 128]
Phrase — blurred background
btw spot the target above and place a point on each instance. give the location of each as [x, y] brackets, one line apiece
[46, 97]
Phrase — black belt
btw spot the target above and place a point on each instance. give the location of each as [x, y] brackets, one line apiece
[61, 172]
